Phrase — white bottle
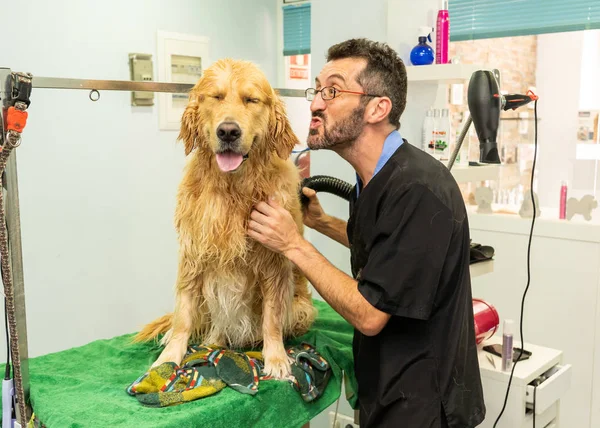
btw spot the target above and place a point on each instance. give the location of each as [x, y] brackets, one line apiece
[427, 132]
[444, 136]
[435, 134]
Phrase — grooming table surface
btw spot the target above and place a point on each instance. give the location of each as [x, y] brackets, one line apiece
[85, 386]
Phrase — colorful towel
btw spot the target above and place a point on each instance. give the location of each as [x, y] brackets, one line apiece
[206, 370]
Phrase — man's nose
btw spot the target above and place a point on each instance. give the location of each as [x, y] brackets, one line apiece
[317, 103]
[228, 132]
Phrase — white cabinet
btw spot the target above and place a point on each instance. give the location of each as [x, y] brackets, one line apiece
[546, 365]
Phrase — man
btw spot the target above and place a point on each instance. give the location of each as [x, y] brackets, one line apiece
[409, 299]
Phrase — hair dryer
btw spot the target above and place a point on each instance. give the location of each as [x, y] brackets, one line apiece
[485, 103]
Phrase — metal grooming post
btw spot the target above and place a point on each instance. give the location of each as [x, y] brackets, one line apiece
[12, 197]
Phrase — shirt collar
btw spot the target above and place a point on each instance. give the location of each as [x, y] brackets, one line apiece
[392, 142]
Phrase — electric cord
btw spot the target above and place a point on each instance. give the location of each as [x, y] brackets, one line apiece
[522, 347]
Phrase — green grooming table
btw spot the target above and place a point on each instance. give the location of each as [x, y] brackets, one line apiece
[85, 386]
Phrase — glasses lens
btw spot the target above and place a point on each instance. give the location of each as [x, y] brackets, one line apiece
[310, 94]
[328, 93]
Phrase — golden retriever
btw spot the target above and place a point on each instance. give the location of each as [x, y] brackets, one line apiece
[231, 290]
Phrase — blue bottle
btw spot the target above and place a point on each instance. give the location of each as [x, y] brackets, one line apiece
[423, 54]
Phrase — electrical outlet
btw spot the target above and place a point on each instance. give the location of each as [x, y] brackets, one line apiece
[342, 421]
[140, 66]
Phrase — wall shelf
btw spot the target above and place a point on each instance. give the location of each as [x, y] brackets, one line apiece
[465, 174]
[481, 268]
[442, 73]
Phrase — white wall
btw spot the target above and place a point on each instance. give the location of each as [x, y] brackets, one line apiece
[98, 180]
[589, 98]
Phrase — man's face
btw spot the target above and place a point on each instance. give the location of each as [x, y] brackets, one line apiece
[337, 122]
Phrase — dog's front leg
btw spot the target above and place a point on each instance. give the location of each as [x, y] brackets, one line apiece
[177, 338]
[278, 293]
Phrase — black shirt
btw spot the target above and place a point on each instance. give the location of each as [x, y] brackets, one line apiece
[409, 243]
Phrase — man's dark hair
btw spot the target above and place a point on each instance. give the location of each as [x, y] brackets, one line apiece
[384, 75]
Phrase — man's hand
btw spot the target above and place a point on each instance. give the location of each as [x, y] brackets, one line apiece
[274, 227]
[313, 212]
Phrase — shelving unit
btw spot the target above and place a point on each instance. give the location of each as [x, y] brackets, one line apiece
[442, 73]
[464, 174]
[481, 268]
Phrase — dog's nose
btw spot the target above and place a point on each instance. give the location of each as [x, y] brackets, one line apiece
[228, 132]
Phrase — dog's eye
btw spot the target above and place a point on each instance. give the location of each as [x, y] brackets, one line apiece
[218, 97]
[252, 100]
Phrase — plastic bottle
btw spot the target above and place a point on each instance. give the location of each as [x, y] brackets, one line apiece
[563, 200]
[507, 345]
[434, 133]
[442, 34]
[422, 54]
[443, 145]
[427, 132]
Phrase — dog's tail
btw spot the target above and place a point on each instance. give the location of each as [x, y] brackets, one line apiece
[154, 329]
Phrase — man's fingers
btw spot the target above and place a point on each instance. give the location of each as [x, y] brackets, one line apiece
[255, 235]
[264, 208]
[259, 217]
[255, 226]
[310, 193]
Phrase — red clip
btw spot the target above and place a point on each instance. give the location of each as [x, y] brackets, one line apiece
[532, 95]
[16, 119]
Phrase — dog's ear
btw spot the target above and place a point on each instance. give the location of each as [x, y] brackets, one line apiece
[282, 137]
[190, 124]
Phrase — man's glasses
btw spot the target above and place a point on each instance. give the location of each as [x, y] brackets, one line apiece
[329, 93]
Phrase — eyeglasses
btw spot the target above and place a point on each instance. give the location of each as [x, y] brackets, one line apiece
[329, 93]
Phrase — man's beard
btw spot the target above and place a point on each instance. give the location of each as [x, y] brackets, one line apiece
[343, 133]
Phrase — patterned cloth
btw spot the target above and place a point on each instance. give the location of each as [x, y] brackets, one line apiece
[206, 370]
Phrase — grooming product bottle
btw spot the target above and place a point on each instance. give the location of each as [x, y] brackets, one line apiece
[563, 200]
[442, 34]
[443, 143]
[427, 132]
[422, 54]
[434, 133]
[507, 345]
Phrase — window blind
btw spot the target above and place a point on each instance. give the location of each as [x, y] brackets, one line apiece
[296, 29]
[482, 19]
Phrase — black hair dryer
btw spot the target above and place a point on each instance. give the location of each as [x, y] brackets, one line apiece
[485, 104]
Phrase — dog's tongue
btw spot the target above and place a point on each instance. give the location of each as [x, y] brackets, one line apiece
[228, 161]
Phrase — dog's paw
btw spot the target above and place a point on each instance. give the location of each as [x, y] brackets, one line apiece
[278, 366]
[172, 353]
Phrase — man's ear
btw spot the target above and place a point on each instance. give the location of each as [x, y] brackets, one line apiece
[190, 125]
[282, 139]
[379, 109]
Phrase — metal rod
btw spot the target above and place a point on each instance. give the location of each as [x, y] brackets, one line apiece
[13, 220]
[127, 85]
[13, 225]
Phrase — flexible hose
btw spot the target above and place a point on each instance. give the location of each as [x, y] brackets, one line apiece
[325, 183]
[459, 142]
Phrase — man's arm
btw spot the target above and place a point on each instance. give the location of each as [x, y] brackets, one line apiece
[334, 228]
[338, 289]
